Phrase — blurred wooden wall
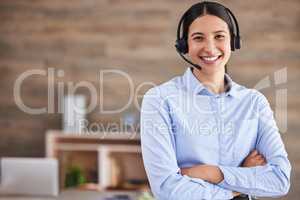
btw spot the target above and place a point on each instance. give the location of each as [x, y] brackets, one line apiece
[82, 37]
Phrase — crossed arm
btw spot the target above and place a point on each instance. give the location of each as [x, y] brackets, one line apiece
[214, 175]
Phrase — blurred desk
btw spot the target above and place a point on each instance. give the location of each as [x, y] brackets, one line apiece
[113, 158]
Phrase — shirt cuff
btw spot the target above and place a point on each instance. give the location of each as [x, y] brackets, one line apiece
[229, 179]
[222, 193]
[228, 194]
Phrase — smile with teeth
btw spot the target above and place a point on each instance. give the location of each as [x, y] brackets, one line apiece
[210, 59]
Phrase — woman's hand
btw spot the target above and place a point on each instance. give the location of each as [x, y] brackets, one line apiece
[197, 171]
[235, 194]
[185, 171]
[254, 159]
[208, 173]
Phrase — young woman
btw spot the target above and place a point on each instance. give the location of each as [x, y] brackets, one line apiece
[203, 135]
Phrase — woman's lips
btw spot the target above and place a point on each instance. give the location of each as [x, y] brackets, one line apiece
[210, 59]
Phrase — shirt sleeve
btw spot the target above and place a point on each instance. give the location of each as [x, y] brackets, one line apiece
[271, 180]
[158, 150]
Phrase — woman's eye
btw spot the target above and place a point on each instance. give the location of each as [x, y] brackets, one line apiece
[220, 36]
[198, 38]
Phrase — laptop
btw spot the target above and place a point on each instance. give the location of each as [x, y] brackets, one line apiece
[29, 176]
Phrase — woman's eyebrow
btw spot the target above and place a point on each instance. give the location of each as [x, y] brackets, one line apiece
[196, 33]
[220, 31]
[199, 33]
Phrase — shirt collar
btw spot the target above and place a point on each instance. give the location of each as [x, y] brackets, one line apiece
[193, 85]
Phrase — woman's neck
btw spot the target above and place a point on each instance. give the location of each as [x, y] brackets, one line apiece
[214, 82]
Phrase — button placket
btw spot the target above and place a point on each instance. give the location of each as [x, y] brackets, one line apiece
[225, 140]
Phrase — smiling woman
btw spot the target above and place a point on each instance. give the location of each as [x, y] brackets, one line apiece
[209, 47]
[211, 44]
[204, 136]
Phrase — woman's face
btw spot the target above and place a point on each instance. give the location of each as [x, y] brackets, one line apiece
[209, 43]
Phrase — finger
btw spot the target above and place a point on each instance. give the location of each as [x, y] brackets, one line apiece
[264, 162]
[253, 153]
[257, 159]
[184, 171]
[259, 156]
[262, 158]
[260, 162]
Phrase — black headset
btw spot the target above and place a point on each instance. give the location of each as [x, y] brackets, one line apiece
[181, 44]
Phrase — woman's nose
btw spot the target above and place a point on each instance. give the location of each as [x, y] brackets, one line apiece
[209, 46]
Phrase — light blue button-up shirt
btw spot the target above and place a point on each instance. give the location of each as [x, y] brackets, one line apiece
[183, 124]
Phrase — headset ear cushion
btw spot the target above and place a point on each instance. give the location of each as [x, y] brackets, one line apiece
[181, 46]
[237, 42]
